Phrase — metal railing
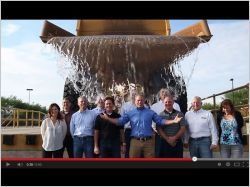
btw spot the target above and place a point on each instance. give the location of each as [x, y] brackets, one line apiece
[228, 91]
[21, 117]
[243, 108]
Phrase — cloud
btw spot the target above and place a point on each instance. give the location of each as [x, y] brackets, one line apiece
[225, 56]
[31, 65]
[10, 29]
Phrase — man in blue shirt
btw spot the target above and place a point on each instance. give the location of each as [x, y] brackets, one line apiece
[142, 133]
[82, 130]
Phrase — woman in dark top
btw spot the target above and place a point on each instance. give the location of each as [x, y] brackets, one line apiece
[230, 123]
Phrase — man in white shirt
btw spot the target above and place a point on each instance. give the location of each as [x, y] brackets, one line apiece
[201, 131]
[158, 108]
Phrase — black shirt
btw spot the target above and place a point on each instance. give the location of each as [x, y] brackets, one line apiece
[106, 129]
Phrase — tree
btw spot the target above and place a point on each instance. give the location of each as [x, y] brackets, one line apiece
[209, 106]
[14, 102]
[238, 97]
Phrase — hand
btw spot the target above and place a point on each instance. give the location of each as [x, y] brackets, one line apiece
[171, 140]
[154, 128]
[213, 146]
[177, 119]
[96, 150]
[104, 116]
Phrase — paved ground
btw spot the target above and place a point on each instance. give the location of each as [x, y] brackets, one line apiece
[21, 130]
[37, 153]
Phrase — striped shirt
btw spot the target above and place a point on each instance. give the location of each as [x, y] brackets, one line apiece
[172, 130]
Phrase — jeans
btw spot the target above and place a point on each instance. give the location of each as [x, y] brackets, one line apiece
[231, 151]
[110, 148]
[200, 147]
[83, 145]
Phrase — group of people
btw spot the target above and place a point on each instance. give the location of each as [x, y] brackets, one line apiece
[203, 136]
[160, 131]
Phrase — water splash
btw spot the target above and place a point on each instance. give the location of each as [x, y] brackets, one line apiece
[110, 63]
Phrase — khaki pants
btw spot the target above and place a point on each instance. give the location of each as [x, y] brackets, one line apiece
[145, 148]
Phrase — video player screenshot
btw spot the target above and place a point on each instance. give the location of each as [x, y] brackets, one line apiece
[124, 93]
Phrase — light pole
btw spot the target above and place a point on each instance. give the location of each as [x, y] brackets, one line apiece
[29, 90]
[232, 82]
[232, 87]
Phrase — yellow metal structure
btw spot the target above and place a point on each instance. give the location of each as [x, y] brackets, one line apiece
[28, 118]
[127, 27]
[199, 29]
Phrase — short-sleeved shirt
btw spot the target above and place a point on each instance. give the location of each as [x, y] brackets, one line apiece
[172, 129]
[107, 130]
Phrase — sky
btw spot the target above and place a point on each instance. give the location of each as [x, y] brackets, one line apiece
[26, 62]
